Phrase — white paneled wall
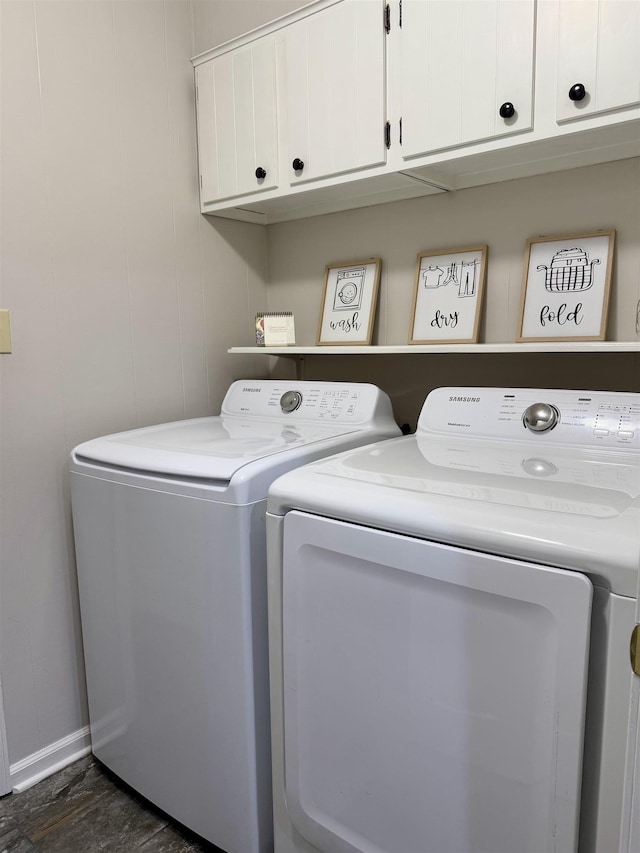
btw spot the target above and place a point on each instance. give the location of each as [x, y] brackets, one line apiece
[123, 301]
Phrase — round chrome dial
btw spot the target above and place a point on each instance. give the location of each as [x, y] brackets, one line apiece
[539, 467]
[540, 417]
[290, 401]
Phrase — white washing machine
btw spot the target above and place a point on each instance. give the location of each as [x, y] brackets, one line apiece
[450, 615]
[169, 525]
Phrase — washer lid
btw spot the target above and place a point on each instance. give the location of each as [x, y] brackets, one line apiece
[575, 509]
[211, 448]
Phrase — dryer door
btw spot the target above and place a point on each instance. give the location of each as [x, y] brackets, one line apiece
[434, 697]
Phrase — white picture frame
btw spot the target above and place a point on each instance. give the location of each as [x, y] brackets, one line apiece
[349, 303]
[448, 295]
[566, 287]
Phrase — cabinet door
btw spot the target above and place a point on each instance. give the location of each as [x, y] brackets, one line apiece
[237, 122]
[462, 60]
[598, 49]
[336, 90]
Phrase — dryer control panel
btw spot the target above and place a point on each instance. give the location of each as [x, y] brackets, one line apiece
[598, 419]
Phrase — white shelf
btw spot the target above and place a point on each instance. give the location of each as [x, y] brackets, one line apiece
[543, 346]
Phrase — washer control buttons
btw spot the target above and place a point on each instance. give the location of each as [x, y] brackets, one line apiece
[540, 417]
[290, 401]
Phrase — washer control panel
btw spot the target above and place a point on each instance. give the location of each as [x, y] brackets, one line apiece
[599, 419]
[357, 403]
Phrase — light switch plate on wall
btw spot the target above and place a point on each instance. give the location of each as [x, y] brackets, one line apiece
[5, 331]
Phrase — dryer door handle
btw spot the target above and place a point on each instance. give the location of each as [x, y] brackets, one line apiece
[634, 650]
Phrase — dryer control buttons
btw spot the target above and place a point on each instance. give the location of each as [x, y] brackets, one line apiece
[290, 401]
[540, 417]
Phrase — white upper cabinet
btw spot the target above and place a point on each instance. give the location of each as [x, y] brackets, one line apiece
[335, 91]
[237, 122]
[346, 103]
[598, 57]
[467, 72]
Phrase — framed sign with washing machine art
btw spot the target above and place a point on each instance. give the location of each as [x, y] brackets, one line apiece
[447, 298]
[349, 303]
[565, 288]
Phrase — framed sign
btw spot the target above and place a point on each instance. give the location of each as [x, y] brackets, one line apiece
[447, 298]
[565, 287]
[349, 302]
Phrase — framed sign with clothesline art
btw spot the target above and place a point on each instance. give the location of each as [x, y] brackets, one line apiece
[448, 294]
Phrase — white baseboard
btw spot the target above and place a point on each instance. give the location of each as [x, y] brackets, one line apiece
[36, 767]
[5, 779]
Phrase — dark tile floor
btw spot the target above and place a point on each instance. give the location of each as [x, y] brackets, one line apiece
[85, 809]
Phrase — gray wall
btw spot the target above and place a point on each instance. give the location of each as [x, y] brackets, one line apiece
[217, 21]
[123, 299]
[501, 215]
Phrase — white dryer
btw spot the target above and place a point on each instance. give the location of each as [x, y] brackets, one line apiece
[450, 615]
[169, 525]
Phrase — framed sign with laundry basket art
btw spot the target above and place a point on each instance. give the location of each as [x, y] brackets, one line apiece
[448, 293]
[565, 287]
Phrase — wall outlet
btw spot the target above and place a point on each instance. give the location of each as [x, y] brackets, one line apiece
[5, 331]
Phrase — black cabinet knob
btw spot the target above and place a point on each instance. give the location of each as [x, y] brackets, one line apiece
[507, 110]
[260, 173]
[298, 165]
[577, 92]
